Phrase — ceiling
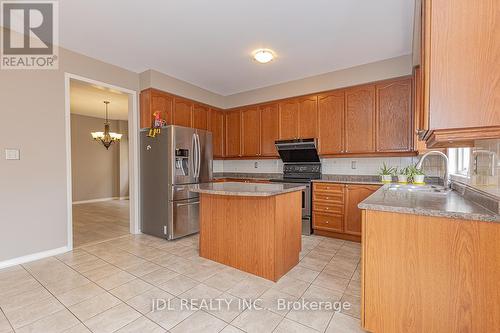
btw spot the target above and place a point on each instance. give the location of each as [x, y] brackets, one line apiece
[88, 100]
[209, 43]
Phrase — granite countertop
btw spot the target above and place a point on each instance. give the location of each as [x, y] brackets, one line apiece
[451, 204]
[245, 189]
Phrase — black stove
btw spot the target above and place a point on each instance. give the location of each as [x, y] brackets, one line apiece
[299, 173]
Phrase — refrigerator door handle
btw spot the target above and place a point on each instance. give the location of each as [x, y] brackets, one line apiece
[193, 155]
[199, 156]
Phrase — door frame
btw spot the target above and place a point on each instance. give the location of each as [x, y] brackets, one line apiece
[133, 139]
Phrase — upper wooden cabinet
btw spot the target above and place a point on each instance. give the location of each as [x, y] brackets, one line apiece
[216, 126]
[289, 119]
[360, 119]
[331, 123]
[200, 116]
[233, 133]
[298, 118]
[367, 120]
[152, 101]
[394, 130]
[308, 117]
[269, 129]
[250, 131]
[183, 109]
[460, 63]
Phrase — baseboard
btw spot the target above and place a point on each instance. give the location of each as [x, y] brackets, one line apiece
[32, 257]
[99, 200]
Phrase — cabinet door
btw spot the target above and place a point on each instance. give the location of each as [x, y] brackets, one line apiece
[394, 118]
[250, 132]
[308, 117]
[216, 126]
[145, 105]
[200, 117]
[360, 119]
[233, 133]
[354, 195]
[154, 101]
[462, 49]
[289, 118]
[331, 123]
[269, 129]
[182, 112]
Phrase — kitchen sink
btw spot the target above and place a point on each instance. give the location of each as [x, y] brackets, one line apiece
[435, 189]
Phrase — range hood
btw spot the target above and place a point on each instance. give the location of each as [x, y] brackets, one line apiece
[298, 150]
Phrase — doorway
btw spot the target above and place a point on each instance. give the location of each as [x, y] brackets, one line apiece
[102, 179]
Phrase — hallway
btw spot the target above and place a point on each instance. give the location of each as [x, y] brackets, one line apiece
[100, 221]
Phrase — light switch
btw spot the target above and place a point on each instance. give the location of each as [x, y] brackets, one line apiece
[11, 154]
[256, 165]
[353, 165]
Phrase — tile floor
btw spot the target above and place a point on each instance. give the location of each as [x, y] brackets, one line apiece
[99, 221]
[109, 287]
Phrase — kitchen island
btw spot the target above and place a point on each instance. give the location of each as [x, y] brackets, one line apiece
[252, 227]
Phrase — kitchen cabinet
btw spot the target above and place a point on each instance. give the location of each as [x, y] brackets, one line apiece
[200, 117]
[288, 119]
[298, 118]
[460, 71]
[335, 211]
[354, 194]
[331, 123]
[250, 132]
[360, 119]
[183, 109]
[308, 117]
[233, 133]
[152, 101]
[368, 120]
[429, 274]
[394, 130]
[269, 129]
[216, 126]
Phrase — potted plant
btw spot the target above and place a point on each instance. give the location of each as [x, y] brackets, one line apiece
[417, 175]
[386, 173]
[403, 174]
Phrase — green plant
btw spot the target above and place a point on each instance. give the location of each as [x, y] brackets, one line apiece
[414, 171]
[386, 171]
[404, 171]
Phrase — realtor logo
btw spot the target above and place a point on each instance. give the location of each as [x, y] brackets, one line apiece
[29, 35]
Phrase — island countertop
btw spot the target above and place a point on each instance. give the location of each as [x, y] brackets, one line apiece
[451, 205]
[245, 189]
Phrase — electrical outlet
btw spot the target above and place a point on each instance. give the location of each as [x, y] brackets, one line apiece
[11, 154]
[354, 165]
[256, 165]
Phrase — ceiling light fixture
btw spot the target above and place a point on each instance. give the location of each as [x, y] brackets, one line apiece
[106, 137]
[263, 55]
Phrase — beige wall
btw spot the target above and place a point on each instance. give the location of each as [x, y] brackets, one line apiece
[97, 173]
[151, 78]
[380, 70]
[33, 211]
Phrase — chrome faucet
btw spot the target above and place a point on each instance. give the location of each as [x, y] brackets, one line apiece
[436, 152]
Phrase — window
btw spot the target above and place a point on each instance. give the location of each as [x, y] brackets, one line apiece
[459, 160]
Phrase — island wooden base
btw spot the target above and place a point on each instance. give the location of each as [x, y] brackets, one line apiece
[258, 235]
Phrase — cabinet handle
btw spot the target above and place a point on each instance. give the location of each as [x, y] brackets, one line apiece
[327, 198]
[327, 208]
[327, 222]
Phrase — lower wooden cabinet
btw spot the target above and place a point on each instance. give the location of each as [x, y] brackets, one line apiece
[354, 194]
[335, 209]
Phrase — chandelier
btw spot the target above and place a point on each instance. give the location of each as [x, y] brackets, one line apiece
[106, 137]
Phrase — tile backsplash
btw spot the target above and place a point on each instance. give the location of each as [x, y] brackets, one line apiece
[340, 166]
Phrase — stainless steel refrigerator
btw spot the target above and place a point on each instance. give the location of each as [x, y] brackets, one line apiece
[169, 162]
